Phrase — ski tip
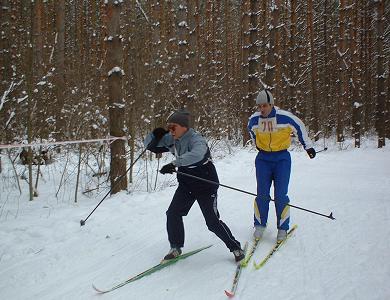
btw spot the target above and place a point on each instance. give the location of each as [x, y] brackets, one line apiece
[229, 294]
[97, 290]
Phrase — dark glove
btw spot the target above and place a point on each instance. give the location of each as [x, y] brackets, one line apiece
[311, 152]
[168, 169]
[159, 133]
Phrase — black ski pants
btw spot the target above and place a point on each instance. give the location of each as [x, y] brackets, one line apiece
[180, 206]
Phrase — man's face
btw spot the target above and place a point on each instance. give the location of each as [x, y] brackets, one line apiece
[264, 109]
[176, 130]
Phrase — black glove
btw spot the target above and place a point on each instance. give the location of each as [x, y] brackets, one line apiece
[159, 133]
[168, 169]
[311, 152]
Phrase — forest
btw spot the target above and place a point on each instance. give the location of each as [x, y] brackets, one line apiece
[79, 70]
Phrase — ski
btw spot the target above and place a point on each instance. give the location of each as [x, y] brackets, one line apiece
[163, 264]
[250, 253]
[236, 277]
[275, 248]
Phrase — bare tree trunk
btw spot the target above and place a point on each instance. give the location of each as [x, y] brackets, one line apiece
[131, 144]
[380, 75]
[208, 52]
[60, 65]
[15, 171]
[277, 51]
[253, 60]
[355, 81]
[356, 122]
[264, 34]
[228, 64]
[200, 60]
[5, 43]
[253, 76]
[327, 83]
[182, 30]
[366, 65]
[157, 63]
[313, 60]
[129, 83]
[116, 101]
[219, 75]
[78, 173]
[342, 82]
[270, 78]
[245, 54]
[293, 56]
[30, 78]
[387, 117]
[39, 160]
[193, 56]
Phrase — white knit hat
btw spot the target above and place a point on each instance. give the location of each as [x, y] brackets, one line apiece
[264, 97]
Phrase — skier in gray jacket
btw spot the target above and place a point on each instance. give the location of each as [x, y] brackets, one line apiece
[192, 156]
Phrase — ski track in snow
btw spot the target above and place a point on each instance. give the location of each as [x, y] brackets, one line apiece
[45, 254]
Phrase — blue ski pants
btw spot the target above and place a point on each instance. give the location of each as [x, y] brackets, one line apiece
[272, 167]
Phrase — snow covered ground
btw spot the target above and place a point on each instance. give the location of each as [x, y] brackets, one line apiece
[45, 254]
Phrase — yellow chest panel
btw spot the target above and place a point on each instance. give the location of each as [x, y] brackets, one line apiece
[271, 137]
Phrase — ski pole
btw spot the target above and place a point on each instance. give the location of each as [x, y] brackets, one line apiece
[158, 156]
[325, 148]
[82, 222]
[330, 216]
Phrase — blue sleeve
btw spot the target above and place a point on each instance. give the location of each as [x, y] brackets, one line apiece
[297, 126]
[197, 152]
[251, 132]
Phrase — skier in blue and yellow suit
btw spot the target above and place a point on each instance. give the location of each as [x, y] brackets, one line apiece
[270, 129]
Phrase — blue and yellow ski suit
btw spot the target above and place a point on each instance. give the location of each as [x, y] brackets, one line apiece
[272, 137]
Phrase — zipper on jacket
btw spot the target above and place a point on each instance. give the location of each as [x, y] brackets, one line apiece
[270, 142]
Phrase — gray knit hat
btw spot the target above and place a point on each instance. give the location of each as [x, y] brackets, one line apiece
[181, 117]
[264, 97]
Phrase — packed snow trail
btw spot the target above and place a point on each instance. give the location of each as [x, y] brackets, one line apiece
[45, 254]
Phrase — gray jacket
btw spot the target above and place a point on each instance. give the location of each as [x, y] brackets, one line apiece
[189, 150]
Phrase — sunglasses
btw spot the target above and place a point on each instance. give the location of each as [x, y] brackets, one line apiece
[172, 127]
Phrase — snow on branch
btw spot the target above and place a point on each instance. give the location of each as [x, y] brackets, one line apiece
[116, 2]
[10, 89]
[119, 105]
[116, 70]
[298, 81]
[183, 42]
[11, 115]
[269, 67]
[183, 24]
[143, 12]
[265, 86]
